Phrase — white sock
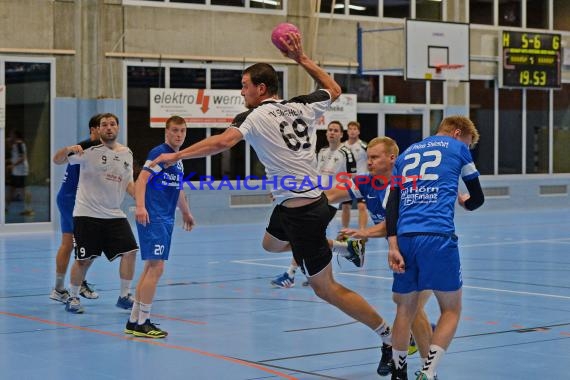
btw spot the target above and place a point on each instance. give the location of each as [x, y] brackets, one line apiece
[134, 312]
[434, 356]
[385, 332]
[291, 271]
[59, 281]
[125, 287]
[399, 358]
[144, 312]
[74, 290]
[340, 248]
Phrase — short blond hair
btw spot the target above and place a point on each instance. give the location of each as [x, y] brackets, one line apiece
[464, 124]
[389, 144]
[355, 123]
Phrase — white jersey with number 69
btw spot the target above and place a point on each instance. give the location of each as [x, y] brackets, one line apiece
[283, 134]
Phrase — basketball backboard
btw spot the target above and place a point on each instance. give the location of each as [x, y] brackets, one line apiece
[437, 50]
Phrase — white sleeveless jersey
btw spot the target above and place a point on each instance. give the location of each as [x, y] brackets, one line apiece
[283, 135]
[103, 180]
[333, 162]
[358, 149]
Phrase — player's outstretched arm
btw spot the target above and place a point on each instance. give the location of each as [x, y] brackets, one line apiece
[296, 53]
[336, 195]
[375, 231]
[60, 157]
[207, 147]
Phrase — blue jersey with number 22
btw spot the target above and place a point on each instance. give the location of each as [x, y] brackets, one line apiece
[428, 204]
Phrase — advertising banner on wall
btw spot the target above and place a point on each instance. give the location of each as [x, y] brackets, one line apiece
[202, 108]
[343, 110]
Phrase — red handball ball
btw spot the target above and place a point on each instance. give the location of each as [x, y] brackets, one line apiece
[281, 30]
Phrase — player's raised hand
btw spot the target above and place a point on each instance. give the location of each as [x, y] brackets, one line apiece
[294, 46]
[75, 149]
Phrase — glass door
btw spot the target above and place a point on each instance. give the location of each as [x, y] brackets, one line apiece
[26, 141]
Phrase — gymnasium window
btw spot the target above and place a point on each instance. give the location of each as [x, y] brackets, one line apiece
[351, 7]
[247, 4]
[510, 13]
[482, 113]
[365, 86]
[142, 138]
[510, 131]
[481, 12]
[561, 130]
[29, 89]
[537, 131]
[397, 8]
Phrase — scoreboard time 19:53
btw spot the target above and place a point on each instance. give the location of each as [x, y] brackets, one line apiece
[530, 60]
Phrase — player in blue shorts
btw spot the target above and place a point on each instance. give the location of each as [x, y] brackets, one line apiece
[423, 248]
[65, 204]
[374, 189]
[158, 190]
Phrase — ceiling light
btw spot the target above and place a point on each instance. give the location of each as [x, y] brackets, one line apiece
[270, 2]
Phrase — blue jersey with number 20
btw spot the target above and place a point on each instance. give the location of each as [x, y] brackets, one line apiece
[428, 205]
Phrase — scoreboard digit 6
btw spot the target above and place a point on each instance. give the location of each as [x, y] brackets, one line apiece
[530, 60]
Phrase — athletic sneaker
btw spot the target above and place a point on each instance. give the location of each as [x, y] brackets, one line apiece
[73, 305]
[413, 347]
[400, 373]
[386, 363]
[148, 330]
[86, 292]
[130, 327]
[125, 302]
[356, 249]
[59, 295]
[423, 376]
[283, 281]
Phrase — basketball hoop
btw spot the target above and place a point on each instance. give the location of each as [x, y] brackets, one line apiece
[452, 66]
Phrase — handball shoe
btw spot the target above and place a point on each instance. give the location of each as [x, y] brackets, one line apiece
[149, 330]
[73, 305]
[59, 295]
[87, 292]
[356, 250]
[125, 302]
[283, 281]
[386, 364]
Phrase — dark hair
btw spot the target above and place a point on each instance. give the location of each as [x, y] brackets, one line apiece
[338, 123]
[94, 121]
[264, 73]
[175, 120]
[106, 116]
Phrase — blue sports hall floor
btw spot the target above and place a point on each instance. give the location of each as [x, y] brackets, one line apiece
[226, 322]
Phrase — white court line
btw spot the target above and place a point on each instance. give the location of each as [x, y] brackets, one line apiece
[469, 287]
[512, 242]
[495, 290]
